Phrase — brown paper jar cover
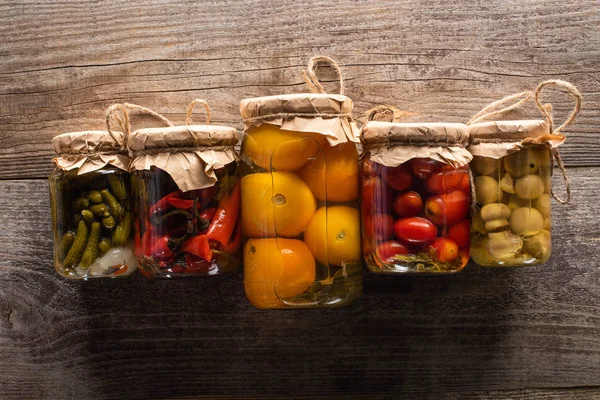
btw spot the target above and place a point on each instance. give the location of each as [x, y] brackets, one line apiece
[327, 114]
[89, 151]
[497, 139]
[189, 154]
[393, 143]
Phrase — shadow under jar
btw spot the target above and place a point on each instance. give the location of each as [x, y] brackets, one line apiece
[187, 200]
[512, 165]
[91, 206]
[300, 213]
[415, 197]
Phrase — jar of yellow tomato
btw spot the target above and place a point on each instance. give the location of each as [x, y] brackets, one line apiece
[299, 211]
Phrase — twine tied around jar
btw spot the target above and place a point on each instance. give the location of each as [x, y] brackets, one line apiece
[190, 110]
[310, 74]
[385, 113]
[547, 112]
[123, 120]
[494, 109]
[312, 81]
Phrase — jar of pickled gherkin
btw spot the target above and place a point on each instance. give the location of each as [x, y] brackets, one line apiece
[512, 165]
[91, 205]
[415, 197]
[187, 199]
[299, 188]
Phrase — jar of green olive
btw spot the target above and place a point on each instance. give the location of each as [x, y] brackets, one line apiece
[512, 168]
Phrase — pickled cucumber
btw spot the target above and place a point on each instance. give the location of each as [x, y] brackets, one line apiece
[113, 204]
[66, 243]
[90, 252]
[117, 186]
[122, 231]
[104, 246]
[94, 196]
[87, 216]
[100, 210]
[76, 250]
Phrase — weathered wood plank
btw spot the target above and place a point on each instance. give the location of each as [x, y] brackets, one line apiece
[64, 62]
[481, 330]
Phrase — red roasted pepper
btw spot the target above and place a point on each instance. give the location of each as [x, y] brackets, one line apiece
[225, 219]
[157, 247]
[236, 241]
[198, 246]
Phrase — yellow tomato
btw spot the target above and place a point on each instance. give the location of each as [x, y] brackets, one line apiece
[272, 148]
[333, 234]
[275, 204]
[332, 175]
[276, 269]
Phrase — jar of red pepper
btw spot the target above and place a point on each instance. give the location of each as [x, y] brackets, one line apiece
[416, 197]
[187, 193]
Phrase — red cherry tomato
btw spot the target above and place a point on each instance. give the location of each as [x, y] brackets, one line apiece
[388, 250]
[379, 227]
[397, 177]
[415, 230]
[460, 233]
[408, 204]
[423, 167]
[449, 181]
[445, 250]
[447, 208]
[376, 196]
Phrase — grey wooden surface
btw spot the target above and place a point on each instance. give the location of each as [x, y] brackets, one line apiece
[529, 333]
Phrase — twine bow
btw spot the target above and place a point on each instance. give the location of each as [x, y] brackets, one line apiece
[190, 110]
[494, 109]
[123, 119]
[310, 75]
[547, 112]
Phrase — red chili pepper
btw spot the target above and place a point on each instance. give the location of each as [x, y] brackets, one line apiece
[157, 247]
[236, 241]
[182, 204]
[198, 246]
[208, 214]
[163, 203]
[223, 224]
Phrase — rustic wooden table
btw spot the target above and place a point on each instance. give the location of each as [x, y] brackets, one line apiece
[531, 333]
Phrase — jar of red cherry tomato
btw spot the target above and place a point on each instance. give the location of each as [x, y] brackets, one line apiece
[187, 192]
[416, 197]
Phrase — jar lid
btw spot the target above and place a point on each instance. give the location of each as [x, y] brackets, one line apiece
[86, 142]
[89, 151]
[378, 133]
[509, 131]
[190, 154]
[327, 114]
[182, 138]
[394, 143]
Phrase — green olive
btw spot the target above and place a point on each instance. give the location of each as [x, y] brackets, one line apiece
[515, 202]
[539, 245]
[542, 203]
[477, 223]
[526, 221]
[494, 211]
[529, 187]
[487, 190]
[485, 165]
[546, 175]
[522, 163]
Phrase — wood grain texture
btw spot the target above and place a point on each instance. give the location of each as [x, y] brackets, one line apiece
[523, 333]
[63, 63]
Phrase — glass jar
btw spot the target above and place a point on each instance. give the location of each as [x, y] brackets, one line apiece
[512, 166]
[187, 196]
[90, 206]
[300, 213]
[415, 197]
